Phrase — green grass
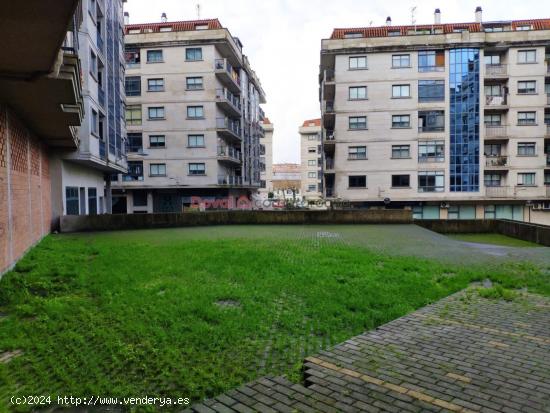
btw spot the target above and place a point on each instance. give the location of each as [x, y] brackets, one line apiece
[133, 314]
[493, 239]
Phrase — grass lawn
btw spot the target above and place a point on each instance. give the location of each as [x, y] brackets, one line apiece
[156, 313]
[493, 239]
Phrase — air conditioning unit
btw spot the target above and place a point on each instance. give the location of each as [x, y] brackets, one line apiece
[445, 205]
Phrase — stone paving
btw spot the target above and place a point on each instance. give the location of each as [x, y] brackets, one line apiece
[463, 354]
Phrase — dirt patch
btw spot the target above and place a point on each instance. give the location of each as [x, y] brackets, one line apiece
[228, 304]
[7, 356]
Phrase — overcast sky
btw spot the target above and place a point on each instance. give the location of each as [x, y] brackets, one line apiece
[282, 39]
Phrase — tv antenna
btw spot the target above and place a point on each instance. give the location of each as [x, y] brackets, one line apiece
[370, 23]
[413, 16]
[198, 11]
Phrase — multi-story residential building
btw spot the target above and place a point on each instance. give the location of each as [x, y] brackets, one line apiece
[287, 182]
[193, 117]
[80, 176]
[41, 108]
[311, 159]
[266, 160]
[451, 120]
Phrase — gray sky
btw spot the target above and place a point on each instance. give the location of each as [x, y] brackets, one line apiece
[282, 38]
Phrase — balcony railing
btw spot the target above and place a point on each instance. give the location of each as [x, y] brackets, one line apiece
[101, 96]
[329, 106]
[224, 93]
[330, 136]
[496, 70]
[497, 191]
[427, 68]
[100, 43]
[492, 101]
[229, 124]
[224, 65]
[230, 180]
[430, 128]
[495, 131]
[329, 75]
[102, 152]
[329, 163]
[229, 152]
[496, 161]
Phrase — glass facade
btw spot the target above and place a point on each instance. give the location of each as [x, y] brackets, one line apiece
[464, 120]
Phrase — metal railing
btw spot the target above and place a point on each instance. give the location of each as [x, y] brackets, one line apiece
[431, 69]
[496, 100]
[495, 131]
[492, 161]
[224, 93]
[431, 129]
[229, 152]
[330, 136]
[229, 124]
[230, 180]
[223, 64]
[496, 70]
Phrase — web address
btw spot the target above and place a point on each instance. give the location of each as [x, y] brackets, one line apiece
[100, 401]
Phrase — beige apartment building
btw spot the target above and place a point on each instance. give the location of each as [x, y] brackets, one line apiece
[193, 117]
[450, 120]
[287, 183]
[311, 159]
[266, 160]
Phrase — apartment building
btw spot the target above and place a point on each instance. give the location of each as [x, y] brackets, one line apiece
[80, 176]
[311, 159]
[451, 120]
[287, 182]
[193, 117]
[266, 161]
[41, 107]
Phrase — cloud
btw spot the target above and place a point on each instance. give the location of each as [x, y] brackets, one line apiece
[282, 39]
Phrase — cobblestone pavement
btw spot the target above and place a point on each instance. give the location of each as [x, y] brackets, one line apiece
[462, 354]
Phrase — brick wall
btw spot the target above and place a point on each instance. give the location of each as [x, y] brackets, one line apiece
[25, 189]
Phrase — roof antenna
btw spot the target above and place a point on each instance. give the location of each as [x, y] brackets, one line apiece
[198, 11]
[370, 23]
[413, 17]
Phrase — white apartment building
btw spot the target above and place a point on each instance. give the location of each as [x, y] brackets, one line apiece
[266, 161]
[193, 117]
[451, 120]
[80, 178]
[311, 159]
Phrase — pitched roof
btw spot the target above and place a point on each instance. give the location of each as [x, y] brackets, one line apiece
[179, 26]
[312, 122]
[383, 31]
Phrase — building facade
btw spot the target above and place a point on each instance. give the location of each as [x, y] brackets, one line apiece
[287, 184]
[80, 177]
[311, 159]
[451, 120]
[193, 117]
[266, 160]
[41, 107]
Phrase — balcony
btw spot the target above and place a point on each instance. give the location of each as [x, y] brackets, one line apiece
[101, 96]
[329, 116]
[547, 131]
[548, 159]
[230, 180]
[430, 128]
[229, 154]
[329, 84]
[228, 102]
[496, 162]
[496, 71]
[329, 165]
[498, 191]
[102, 151]
[547, 191]
[329, 192]
[229, 128]
[227, 75]
[100, 43]
[495, 132]
[496, 102]
[548, 99]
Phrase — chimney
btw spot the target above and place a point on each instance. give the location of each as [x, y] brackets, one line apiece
[126, 18]
[437, 16]
[163, 18]
[388, 21]
[479, 14]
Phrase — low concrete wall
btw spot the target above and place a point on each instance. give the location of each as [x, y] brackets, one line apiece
[80, 223]
[539, 234]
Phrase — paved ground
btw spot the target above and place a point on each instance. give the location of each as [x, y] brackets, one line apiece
[463, 354]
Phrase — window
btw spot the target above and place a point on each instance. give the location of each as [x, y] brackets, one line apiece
[157, 141]
[358, 122]
[526, 179]
[193, 83]
[493, 120]
[492, 60]
[357, 92]
[133, 58]
[490, 212]
[353, 35]
[94, 121]
[493, 90]
[401, 151]
[195, 141]
[431, 90]
[133, 86]
[197, 169]
[155, 85]
[527, 87]
[400, 181]
[527, 56]
[494, 149]
[493, 180]
[312, 175]
[431, 121]
[526, 149]
[401, 91]
[431, 61]
[195, 112]
[312, 188]
[157, 169]
[357, 181]
[400, 60]
[312, 162]
[133, 115]
[92, 201]
[524, 27]
[431, 151]
[93, 64]
[312, 150]
[72, 205]
[358, 62]
[154, 56]
[165, 29]
[156, 113]
[135, 142]
[193, 54]
[527, 118]
[431, 181]
[357, 152]
[135, 171]
[401, 121]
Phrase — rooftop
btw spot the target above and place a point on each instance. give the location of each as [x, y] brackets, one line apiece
[179, 26]
[311, 123]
